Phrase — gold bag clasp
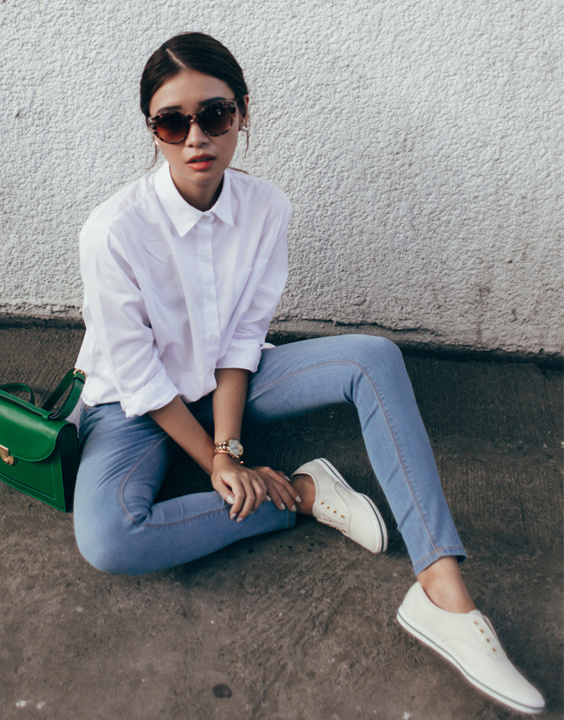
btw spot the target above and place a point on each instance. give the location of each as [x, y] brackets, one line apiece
[6, 457]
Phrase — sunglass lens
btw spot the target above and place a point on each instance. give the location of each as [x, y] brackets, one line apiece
[171, 127]
[216, 119]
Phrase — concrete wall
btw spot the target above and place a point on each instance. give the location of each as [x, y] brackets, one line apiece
[420, 142]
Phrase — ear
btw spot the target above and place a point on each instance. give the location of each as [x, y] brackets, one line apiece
[245, 117]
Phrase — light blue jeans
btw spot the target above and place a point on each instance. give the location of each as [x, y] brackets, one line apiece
[121, 529]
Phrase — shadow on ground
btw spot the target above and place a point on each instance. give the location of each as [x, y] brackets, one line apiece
[297, 625]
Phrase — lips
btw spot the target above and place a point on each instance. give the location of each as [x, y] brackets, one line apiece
[200, 158]
[201, 162]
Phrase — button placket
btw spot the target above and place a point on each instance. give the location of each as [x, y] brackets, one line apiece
[210, 309]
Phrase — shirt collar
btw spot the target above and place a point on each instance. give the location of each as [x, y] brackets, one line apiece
[181, 213]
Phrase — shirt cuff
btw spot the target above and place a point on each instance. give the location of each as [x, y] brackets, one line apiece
[245, 356]
[157, 393]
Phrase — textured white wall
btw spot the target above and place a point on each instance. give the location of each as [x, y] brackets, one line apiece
[420, 142]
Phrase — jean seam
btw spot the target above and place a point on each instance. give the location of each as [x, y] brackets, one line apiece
[157, 526]
[146, 524]
[436, 554]
[130, 473]
[383, 407]
[199, 516]
[401, 458]
[435, 550]
[160, 526]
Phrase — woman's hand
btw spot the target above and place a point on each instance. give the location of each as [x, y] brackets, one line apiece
[279, 488]
[243, 488]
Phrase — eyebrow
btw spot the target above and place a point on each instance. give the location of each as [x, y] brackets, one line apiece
[202, 104]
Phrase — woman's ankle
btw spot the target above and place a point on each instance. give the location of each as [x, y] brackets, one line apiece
[443, 583]
[305, 486]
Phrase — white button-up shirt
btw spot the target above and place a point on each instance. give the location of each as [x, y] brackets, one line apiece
[172, 293]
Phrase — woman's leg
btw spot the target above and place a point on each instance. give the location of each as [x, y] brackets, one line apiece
[368, 372]
[119, 528]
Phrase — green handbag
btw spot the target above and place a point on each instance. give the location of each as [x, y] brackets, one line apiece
[38, 447]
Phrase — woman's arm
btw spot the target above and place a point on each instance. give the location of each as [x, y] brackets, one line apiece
[241, 486]
[229, 399]
[178, 422]
[250, 486]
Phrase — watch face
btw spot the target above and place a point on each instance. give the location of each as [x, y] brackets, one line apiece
[235, 448]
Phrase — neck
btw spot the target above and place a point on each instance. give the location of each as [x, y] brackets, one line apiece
[202, 197]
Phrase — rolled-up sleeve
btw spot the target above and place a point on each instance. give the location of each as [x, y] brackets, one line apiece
[115, 310]
[267, 284]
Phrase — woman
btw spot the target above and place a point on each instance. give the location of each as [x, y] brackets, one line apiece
[182, 271]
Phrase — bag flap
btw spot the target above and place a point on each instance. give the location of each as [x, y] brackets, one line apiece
[25, 430]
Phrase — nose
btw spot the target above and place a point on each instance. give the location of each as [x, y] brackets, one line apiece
[196, 136]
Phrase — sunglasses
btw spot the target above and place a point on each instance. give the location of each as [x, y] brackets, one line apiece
[214, 119]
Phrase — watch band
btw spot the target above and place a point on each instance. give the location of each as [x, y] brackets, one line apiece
[231, 447]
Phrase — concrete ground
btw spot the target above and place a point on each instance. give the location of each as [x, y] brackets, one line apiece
[297, 625]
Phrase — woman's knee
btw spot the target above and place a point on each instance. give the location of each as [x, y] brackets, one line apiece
[366, 348]
[105, 545]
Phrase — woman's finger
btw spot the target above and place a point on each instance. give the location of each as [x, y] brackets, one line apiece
[225, 491]
[231, 490]
[259, 489]
[287, 493]
[249, 501]
[275, 497]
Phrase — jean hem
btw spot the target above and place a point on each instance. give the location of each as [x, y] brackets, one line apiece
[437, 553]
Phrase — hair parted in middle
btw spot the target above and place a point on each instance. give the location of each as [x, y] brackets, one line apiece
[192, 51]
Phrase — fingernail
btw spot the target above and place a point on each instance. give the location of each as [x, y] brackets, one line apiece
[232, 517]
[294, 508]
[282, 506]
[240, 519]
[298, 498]
[230, 499]
[268, 498]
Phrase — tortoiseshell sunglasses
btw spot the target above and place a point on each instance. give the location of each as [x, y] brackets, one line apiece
[214, 119]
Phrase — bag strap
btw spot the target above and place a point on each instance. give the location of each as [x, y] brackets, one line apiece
[19, 387]
[75, 379]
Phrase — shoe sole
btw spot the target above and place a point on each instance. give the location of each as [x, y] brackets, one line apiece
[372, 506]
[444, 652]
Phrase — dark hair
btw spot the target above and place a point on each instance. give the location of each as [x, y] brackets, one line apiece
[192, 51]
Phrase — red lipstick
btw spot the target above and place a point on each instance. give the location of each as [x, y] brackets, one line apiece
[201, 162]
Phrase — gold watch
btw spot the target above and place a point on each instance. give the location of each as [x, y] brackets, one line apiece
[231, 447]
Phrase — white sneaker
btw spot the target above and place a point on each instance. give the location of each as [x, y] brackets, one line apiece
[339, 506]
[468, 641]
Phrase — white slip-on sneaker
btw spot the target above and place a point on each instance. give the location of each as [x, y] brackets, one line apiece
[468, 641]
[339, 506]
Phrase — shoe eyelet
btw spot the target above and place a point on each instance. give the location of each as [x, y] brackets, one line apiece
[342, 516]
[481, 631]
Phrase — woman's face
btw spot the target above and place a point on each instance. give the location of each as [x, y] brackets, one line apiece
[188, 92]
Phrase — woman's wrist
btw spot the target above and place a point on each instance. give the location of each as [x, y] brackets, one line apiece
[224, 460]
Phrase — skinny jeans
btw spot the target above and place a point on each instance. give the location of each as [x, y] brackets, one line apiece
[121, 529]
